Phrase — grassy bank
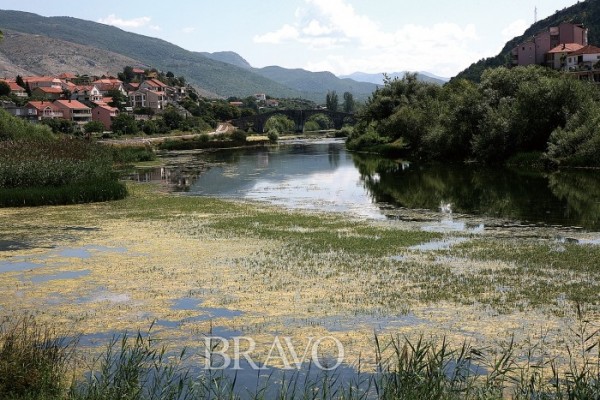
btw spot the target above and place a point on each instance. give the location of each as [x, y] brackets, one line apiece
[508, 295]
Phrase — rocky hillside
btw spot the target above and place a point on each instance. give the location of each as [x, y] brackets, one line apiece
[54, 56]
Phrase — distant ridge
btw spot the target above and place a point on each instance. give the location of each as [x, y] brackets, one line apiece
[223, 74]
[377, 79]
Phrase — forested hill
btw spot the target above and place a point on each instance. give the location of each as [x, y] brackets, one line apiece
[585, 12]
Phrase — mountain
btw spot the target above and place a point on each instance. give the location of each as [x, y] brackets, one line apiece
[585, 12]
[309, 82]
[222, 73]
[377, 79]
[229, 57]
[54, 56]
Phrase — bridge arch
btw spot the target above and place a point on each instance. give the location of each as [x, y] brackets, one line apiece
[257, 122]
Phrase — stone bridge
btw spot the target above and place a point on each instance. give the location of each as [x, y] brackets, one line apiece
[257, 122]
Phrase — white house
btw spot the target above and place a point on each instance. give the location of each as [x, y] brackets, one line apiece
[583, 59]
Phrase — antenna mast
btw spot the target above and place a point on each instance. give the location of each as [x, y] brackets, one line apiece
[535, 15]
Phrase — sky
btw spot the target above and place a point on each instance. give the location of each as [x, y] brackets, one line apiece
[341, 36]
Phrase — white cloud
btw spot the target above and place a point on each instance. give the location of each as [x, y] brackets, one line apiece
[139, 22]
[315, 28]
[516, 28]
[285, 33]
[188, 29]
[358, 43]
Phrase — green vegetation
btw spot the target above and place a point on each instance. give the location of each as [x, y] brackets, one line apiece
[35, 363]
[512, 111]
[38, 364]
[205, 141]
[37, 168]
[15, 129]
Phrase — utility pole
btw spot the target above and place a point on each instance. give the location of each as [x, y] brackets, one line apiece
[535, 15]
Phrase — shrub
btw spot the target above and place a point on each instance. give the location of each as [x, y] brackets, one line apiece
[239, 136]
[273, 136]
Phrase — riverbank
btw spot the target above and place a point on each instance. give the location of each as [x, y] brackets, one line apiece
[196, 266]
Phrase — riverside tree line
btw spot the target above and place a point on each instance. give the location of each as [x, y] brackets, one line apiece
[529, 114]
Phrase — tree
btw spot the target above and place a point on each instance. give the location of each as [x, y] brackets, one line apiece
[172, 118]
[93, 127]
[331, 101]
[125, 124]
[28, 89]
[348, 105]
[20, 81]
[127, 75]
[119, 100]
[4, 89]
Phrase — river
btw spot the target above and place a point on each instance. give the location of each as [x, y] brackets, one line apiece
[321, 175]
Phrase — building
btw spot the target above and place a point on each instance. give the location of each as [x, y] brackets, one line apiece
[86, 93]
[105, 114]
[107, 84]
[42, 81]
[15, 89]
[39, 110]
[47, 93]
[74, 111]
[534, 50]
[586, 58]
[556, 58]
[154, 85]
[145, 98]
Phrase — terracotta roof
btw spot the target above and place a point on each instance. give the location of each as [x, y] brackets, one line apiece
[67, 75]
[41, 105]
[49, 90]
[138, 71]
[107, 107]
[111, 81]
[40, 79]
[72, 104]
[565, 48]
[13, 86]
[83, 88]
[155, 83]
[589, 49]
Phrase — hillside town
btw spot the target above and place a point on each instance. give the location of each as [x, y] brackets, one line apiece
[565, 48]
[82, 99]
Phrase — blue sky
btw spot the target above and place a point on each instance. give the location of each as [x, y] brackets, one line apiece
[341, 36]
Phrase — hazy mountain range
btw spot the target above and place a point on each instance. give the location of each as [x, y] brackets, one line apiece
[377, 79]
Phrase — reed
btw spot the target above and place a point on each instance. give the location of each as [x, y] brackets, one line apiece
[35, 363]
[56, 171]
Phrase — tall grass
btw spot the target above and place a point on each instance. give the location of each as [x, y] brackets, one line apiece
[56, 171]
[34, 362]
[37, 364]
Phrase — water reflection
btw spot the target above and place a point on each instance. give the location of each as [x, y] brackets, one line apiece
[560, 198]
[323, 176]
